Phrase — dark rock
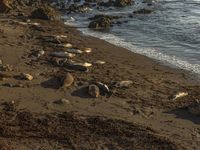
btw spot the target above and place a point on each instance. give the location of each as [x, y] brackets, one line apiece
[106, 4]
[45, 12]
[100, 21]
[91, 1]
[122, 3]
[78, 8]
[104, 16]
[143, 11]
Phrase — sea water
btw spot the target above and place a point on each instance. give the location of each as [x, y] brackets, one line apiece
[171, 34]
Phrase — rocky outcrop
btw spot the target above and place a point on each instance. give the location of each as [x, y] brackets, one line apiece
[44, 12]
[5, 5]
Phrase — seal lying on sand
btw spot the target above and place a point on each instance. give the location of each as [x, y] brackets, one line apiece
[62, 54]
[67, 80]
[123, 84]
[94, 91]
[75, 51]
[178, 95]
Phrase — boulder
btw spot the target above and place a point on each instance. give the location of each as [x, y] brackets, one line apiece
[45, 12]
[122, 3]
[78, 8]
[100, 21]
[5, 5]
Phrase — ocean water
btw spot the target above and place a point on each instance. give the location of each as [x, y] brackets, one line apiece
[171, 34]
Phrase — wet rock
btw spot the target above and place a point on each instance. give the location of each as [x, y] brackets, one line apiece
[148, 2]
[101, 22]
[106, 4]
[122, 3]
[25, 76]
[195, 108]
[123, 84]
[67, 80]
[45, 12]
[78, 8]
[5, 5]
[94, 91]
[143, 11]
[104, 16]
[62, 101]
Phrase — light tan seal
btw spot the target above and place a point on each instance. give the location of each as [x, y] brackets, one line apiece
[94, 91]
[67, 80]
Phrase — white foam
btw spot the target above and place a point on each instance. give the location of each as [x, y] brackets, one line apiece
[152, 53]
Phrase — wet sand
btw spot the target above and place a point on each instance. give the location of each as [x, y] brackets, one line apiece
[141, 116]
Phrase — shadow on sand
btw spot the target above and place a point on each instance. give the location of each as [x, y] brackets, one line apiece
[183, 113]
[53, 83]
[82, 92]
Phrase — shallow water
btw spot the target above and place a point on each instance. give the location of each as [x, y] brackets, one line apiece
[170, 34]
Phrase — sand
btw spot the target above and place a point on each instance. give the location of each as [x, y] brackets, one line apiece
[142, 116]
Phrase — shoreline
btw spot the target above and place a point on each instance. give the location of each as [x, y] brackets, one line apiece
[191, 74]
[144, 106]
[167, 63]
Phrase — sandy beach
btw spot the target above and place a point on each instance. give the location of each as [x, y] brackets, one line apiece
[40, 114]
